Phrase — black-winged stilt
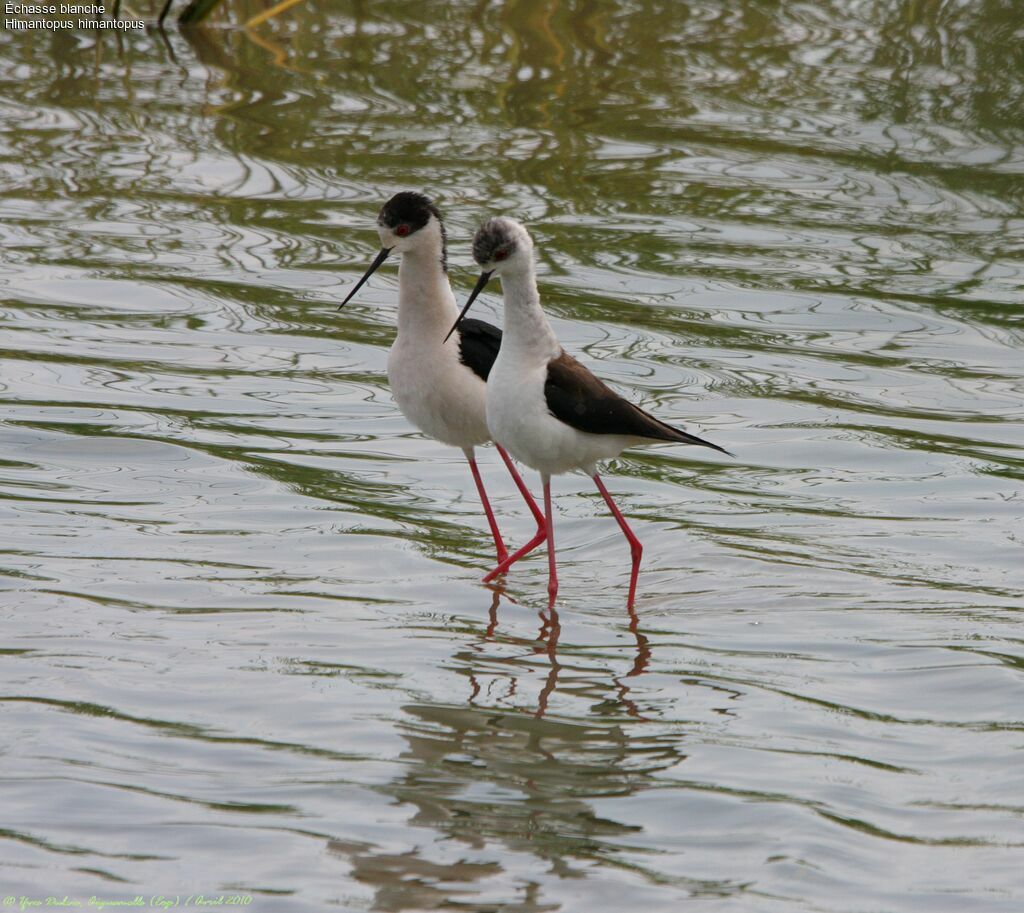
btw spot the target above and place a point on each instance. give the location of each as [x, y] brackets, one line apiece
[542, 404]
[439, 384]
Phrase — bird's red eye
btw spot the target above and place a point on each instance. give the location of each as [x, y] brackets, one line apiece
[402, 231]
[501, 254]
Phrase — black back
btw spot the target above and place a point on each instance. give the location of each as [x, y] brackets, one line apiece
[479, 343]
[583, 402]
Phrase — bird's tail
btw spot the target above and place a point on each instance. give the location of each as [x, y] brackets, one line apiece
[677, 435]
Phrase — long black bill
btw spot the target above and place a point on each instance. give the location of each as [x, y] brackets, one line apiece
[380, 258]
[480, 283]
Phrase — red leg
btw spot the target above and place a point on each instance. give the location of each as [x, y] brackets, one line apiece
[498, 544]
[635, 548]
[538, 537]
[549, 523]
[538, 515]
[504, 565]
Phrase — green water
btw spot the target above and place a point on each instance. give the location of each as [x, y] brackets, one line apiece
[244, 646]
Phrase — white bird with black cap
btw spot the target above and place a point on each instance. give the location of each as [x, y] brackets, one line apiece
[543, 405]
[440, 383]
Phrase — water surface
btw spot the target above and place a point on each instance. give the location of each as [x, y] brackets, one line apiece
[245, 647]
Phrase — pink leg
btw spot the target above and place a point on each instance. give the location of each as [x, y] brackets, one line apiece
[538, 515]
[635, 548]
[550, 526]
[498, 544]
[539, 536]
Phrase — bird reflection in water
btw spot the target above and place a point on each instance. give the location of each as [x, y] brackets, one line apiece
[546, 643]
[505, 773]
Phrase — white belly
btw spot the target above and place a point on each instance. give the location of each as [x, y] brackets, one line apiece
[438, 394]
[519, 420]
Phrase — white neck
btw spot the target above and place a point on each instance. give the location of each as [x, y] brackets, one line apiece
[527, 330]
[426, 306]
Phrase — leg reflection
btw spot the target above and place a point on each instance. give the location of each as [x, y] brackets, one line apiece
[497, 591]
[493, 659]
[550, 629]
[640, 664]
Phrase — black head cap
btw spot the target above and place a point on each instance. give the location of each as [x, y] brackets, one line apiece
[408, 208]
[494, 236]
[413, 209]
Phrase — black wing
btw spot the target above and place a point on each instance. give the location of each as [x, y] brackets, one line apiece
[579, 399]
[479, 343]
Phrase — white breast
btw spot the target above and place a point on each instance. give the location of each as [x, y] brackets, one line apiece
[519, 420]
[434, 390]
[518, 414]
[437, 393]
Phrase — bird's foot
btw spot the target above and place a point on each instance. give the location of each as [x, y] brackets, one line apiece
[504, 564]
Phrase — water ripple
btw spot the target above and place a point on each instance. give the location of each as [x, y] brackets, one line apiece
[245, 645]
